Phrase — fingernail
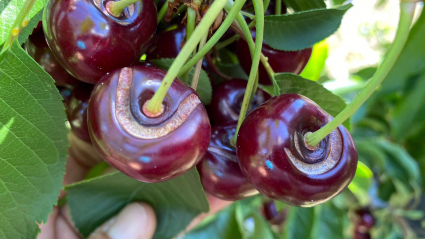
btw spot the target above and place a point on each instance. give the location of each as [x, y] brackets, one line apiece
[129, 223]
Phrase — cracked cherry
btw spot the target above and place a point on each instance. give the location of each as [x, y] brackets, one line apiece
[89, 42]
[227, 100]
[149, 149]
[220, 173]
[37, 48]
[274, 158]
[280, 61]
[76, 110]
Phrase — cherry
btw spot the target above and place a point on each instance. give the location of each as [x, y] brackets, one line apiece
[274, 158]
[219, 169]
[272, 214]
[89, 42]
[227, 100]
[76, 110]
[37, 48]
[146, 147]
[280, 61]
[65, 93]
[365, 219]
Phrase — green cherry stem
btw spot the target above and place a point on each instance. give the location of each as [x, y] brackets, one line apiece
[226, 42]
[406, 16]
[195, 78]
[278, 9]
[162, 12]
[116, 8]
[191, 22]
[259, 16]
[20, 22]
[234, 10]
[154, 106]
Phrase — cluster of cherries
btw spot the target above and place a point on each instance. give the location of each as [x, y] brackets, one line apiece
[95, 56]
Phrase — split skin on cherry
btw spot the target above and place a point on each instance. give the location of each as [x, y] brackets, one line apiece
[227, 100]
[274, 158]
[147, 148]
[220, 173]
[89, 42]
[36, 46]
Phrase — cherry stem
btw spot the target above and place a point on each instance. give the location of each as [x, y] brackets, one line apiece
[278, 7]
[259, 16]
[234, 10]
[191, 22]
[246, 34]
[20, 22]
[162, 12]
[226, 42]
[195, 78]
[406, 16]
[202, 29]
[116, 8]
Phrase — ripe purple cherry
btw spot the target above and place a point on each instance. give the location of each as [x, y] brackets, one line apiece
[149, 149]
[76, 110]
[280, 61]
[227, 100]
[276, 160]
[37, 48]
[220, 173]
[89, 42]
[365, 220]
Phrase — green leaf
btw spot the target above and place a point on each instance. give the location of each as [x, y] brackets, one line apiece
[9, 9]
[250, 222]
[316, 64]
[292, 32]
[303, 5]
[290, 83]
[204, 88]
[299, 223]
[33, 145]
[176, 202]
[328, 222]
[411, 60]
[406, 111]
[223, 225]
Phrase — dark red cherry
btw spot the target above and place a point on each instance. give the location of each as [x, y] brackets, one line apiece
[365, 219]
[219, 169]
[280, 61]
[89, 42]
[227, 100]
[65, 93]
[76, 110]
[274, 158]
[149, 149]
[272, 214]
[37, 48]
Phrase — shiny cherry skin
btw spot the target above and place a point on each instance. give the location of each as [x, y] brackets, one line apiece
[280, 61]
[147, 148]
[274, 158]
[220, 173]
[76, 110]
[227, 100]
[365, 219]
[89, 42]
[37, 48]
